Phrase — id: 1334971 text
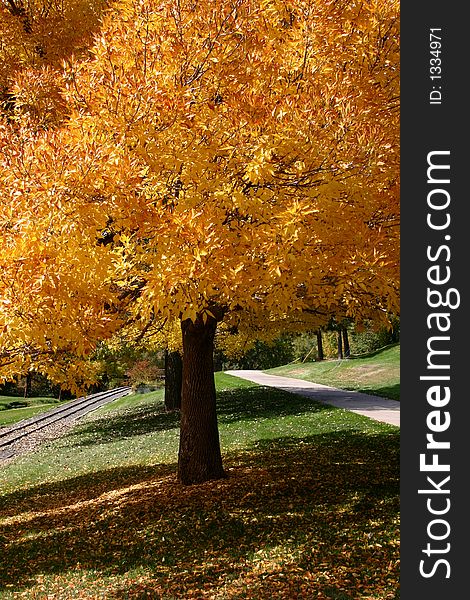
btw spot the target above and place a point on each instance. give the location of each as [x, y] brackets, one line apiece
[435, 65]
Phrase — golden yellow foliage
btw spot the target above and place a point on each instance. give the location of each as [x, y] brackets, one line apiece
[268, 137]
[236, 160]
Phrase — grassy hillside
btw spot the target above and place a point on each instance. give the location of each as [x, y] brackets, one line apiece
[376, 373]
[310, 507]
[13, 409]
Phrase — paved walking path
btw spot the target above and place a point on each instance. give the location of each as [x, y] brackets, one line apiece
[375, 407]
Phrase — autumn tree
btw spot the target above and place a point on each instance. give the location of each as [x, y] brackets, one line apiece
[241, 158]
[36, 37]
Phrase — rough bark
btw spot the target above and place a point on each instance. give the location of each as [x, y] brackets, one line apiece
[173, 380]
[199, 456]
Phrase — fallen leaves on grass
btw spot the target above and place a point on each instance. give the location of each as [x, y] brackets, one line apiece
[311, 518]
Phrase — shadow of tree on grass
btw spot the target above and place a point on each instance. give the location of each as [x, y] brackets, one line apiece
[290, 511]
[241, 404]
[133, 422]
[388, 391]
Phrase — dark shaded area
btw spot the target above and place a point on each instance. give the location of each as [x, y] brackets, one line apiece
[333, 496]
[389, 391]
[15, 404]
[262, 355]
[35, 385]
[376, 352]
[78, 489]
[140, 421]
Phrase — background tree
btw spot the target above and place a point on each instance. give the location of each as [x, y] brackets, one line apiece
[35, 38]
[347, 349]
[319, 344]
[339, 338]
[173, 379]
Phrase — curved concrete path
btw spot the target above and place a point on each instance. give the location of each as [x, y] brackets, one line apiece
[375, 407]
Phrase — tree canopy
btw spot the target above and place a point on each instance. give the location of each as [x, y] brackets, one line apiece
[232, 161]
[265, 141]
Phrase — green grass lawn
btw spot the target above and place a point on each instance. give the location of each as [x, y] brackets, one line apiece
[309, 509]
[13, 409]
[376, 373]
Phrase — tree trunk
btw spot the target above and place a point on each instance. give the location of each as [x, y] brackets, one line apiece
[340, 344]
[173, 380]
[347, 350]
[27, 385]
[320, 346]
[199, 456]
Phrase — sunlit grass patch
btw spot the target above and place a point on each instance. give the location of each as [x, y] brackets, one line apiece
[377, 373]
